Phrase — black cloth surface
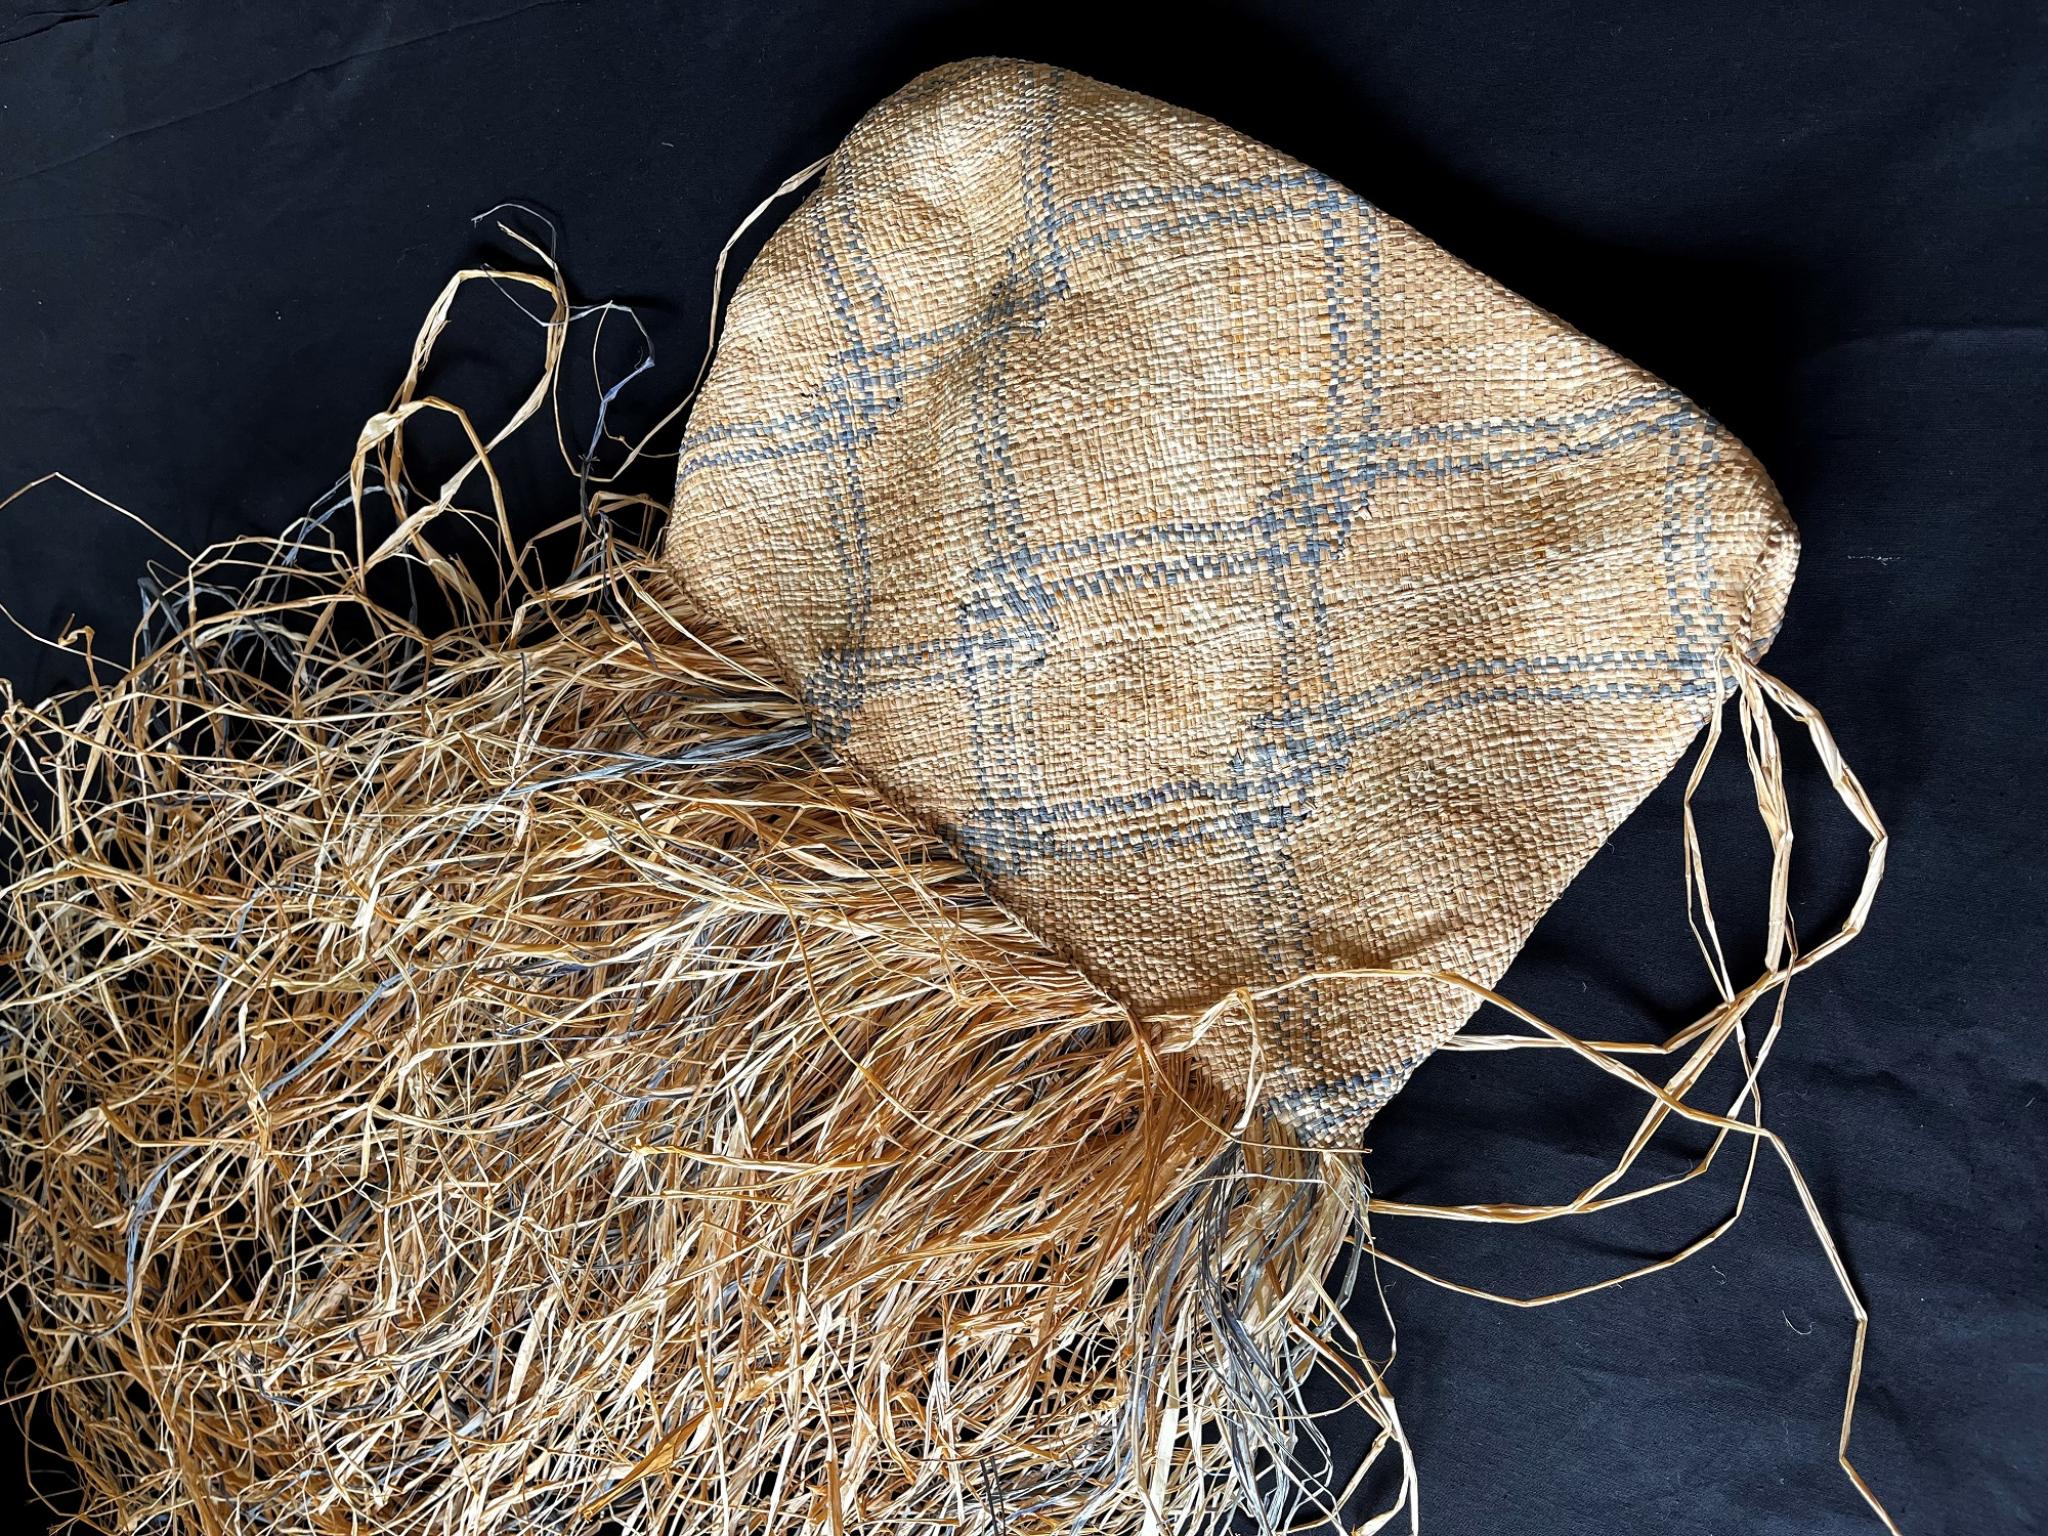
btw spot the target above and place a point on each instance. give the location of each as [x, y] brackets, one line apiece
[220, 225]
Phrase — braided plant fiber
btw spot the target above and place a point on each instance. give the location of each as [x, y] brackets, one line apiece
[487, 1055]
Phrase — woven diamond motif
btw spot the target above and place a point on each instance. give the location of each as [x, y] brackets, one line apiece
[1244, 587]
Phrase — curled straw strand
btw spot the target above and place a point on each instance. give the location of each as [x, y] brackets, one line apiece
[1703, 1042]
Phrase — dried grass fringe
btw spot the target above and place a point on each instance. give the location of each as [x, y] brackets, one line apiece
[508, 1077]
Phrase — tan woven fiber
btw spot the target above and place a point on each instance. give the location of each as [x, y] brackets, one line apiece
[1244, 586]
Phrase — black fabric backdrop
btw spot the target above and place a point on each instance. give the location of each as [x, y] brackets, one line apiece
[220, 225]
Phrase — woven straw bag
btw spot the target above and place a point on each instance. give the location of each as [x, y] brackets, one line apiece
[862, 1019]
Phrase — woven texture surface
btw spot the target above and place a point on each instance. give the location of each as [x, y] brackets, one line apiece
[1243, 585]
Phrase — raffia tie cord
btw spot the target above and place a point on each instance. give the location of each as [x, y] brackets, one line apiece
[508, 1077]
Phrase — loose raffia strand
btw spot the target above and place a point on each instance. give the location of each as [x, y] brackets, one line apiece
[1753, 691]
